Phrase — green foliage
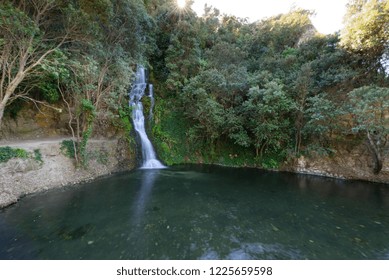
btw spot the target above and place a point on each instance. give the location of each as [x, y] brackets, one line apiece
[14, 108]
[88, 106]
[322, 118]
[50, 92]
[270, 163]
[266, 111]
[169, 136]
[68, 148]
[268, 86]
[51, 71]
[7, 153]
[81, 148]
[369, 107]
[16, 21]
[367, 28]
[102, 9]
[229, 91]
[279, 33]
[38, 155]
[30, 47]
[125, 115]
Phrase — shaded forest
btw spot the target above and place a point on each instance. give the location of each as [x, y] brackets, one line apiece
[228, 91]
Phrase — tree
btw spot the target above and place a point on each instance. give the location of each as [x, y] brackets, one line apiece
[369, 109]
[274, 85]
[318, 74]
[201, 107]
[323, 120]
[82, 92]
[366, 31]
[267, 118]
[303, 86]
[281, 32]
[99, 74]
[27, 44]
[177, 55]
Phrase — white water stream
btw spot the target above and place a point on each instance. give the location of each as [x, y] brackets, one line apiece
[149, 158]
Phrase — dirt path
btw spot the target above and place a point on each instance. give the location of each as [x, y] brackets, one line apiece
[32, 143]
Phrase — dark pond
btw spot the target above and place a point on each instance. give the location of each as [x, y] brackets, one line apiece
[201, 212]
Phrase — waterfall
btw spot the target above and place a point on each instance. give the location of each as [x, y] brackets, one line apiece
[137, 92]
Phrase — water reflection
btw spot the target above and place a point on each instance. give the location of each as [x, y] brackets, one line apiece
[141, 200]
[354, 190]
[254, 251]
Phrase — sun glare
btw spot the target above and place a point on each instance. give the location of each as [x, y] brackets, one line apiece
[181, 4]
[328, 17]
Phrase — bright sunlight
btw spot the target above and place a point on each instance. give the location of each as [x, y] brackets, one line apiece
[181, 4]
[327, 19]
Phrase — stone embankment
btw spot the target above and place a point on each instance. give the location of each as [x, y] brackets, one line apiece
[19, 177]
[353, 163]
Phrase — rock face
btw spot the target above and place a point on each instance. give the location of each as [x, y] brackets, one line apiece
[33, 124]
[19, 177]
[347, 163]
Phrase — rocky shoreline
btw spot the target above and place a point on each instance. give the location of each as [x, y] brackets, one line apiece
[349, 164]
[20, 177]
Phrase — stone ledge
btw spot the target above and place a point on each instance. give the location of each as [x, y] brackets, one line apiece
[20, 177]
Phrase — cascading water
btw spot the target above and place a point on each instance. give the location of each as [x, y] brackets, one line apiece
[137, 92]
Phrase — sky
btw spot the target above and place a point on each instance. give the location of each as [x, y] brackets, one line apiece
[328, 18]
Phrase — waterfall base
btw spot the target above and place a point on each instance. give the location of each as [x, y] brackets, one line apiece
[153, 164]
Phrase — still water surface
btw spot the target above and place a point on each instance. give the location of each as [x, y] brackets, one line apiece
[201, 212]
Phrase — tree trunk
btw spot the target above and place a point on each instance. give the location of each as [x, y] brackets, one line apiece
[299, 124]
[9, 92]
[298, 141]
[2, 107]
[375, 151]
[263, 147]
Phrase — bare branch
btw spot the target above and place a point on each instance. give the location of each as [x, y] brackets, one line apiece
[36, 102]
[23, 52]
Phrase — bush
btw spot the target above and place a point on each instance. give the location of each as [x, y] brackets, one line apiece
[38, 155]
[67, 148]
[7, 153]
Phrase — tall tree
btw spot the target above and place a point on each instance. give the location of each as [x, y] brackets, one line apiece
[366, 31]
[267, 112]
[369, 108]
[29, 44]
